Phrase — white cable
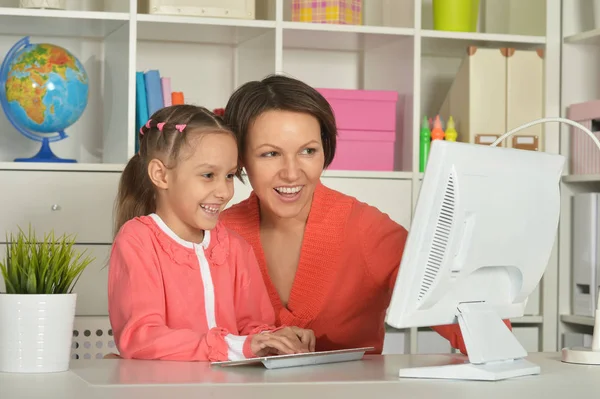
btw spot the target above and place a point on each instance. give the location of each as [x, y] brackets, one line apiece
[543, 120]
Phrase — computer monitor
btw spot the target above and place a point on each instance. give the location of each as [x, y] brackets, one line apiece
[481, 237]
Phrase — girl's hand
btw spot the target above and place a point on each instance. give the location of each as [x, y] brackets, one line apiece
[288, 340]
[267, 344]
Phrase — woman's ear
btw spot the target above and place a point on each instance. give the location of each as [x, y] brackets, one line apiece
[157, 171]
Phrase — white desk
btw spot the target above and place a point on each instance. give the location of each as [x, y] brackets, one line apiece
[374, 377]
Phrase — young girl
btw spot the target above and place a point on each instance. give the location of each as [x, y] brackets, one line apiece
[181, 285]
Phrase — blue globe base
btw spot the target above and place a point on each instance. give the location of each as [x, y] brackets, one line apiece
[45, 155]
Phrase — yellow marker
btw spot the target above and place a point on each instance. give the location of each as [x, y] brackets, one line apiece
[451, 133]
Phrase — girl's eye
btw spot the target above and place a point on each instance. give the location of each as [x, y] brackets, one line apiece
[309, 151]
[230, 175]
[269, 154]
[208, 175]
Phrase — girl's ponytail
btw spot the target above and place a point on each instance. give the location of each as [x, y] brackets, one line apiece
[136, 194]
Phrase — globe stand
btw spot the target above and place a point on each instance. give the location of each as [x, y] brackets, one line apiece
[45, 155]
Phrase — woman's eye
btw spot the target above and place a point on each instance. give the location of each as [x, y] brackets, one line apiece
[309, 151]
[208, 175]
[269, 154]
[230, 175]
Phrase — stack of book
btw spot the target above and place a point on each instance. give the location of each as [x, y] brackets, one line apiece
[153, 92]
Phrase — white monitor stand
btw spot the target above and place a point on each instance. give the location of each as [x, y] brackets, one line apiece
[479, 243]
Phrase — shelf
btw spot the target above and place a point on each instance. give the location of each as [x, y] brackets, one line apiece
[58, 23]
[106, 167]
[581, 179]
[454, 44]
[578, 320]
[311, 36]
[528, 320]
[66, 167]
[352, 174]
[225, 31]
[587, 37]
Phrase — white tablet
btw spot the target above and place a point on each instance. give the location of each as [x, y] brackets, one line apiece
[301, 359]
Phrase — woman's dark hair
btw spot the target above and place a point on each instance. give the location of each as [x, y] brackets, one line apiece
[164, 135]
[283, 93]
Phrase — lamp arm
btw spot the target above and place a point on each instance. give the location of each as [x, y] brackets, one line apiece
[596, 333]
[544, 120]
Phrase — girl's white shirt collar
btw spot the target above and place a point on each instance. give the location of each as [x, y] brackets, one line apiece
[167, 230]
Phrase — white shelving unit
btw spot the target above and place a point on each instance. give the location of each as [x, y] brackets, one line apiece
[207, 58]
[580, 63]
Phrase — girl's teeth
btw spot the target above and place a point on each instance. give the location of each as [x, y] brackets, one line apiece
[209, 208]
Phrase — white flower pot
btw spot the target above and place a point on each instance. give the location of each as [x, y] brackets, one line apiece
[56, 4]
[36, 332]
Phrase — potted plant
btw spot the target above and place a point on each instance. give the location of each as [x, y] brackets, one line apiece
[37, 311]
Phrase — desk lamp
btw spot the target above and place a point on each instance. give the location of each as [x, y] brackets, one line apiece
[578, 355]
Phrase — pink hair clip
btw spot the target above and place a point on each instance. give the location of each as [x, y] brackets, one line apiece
[147, 125]
[160, 126]
[180, 127]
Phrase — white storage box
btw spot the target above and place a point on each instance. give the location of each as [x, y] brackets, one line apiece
[244, 9]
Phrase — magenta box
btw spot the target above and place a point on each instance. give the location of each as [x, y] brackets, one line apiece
[585, 157]
[366, 123]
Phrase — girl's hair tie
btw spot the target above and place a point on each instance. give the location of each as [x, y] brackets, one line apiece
[147, 126]
[160, 126]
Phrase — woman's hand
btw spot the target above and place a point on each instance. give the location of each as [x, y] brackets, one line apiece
[305, 336]
[286, 341]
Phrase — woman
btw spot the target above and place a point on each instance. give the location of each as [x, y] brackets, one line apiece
[329, 261]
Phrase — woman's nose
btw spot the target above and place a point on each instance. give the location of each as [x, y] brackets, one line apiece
[291, 170]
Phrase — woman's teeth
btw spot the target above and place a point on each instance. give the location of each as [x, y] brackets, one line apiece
[288, 190]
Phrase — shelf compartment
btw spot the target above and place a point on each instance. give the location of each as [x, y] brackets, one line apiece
[206, 59]
[487, 90]
[59, 23]
[95, 137]
[511, 17]
[334, 57]
[578, 23]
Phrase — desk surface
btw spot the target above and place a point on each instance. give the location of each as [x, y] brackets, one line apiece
[373, 377]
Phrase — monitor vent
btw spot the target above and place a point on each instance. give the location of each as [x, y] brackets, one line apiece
[441, 236]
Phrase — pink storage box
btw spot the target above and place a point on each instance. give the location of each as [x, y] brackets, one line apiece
[346, 12]
[366, 122]
[584, 155]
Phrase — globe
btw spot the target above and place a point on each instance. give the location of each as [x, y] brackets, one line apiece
[43, 91]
